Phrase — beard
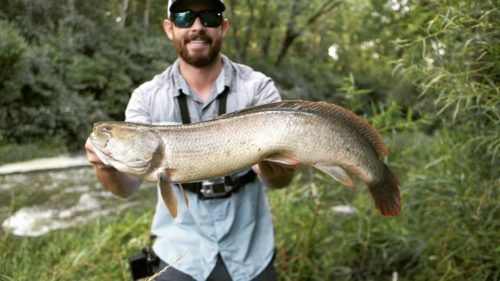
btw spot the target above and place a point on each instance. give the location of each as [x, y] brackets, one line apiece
[196, 59]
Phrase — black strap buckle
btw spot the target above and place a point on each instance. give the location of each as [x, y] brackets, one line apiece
[215, 188]
[221, 187]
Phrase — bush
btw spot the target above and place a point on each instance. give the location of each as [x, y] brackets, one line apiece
[55, 86]
[13, 73]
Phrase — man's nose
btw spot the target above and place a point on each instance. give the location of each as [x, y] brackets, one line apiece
[197, 23]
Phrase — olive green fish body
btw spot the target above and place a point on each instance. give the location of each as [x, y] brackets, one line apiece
[320, 134]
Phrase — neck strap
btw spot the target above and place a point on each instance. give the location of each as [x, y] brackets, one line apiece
[181, 99]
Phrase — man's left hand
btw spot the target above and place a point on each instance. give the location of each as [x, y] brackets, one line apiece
[273, 174]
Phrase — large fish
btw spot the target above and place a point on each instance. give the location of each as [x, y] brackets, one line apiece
[324, 135]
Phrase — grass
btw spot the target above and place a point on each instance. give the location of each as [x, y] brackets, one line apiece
[449, 228]
[10, 153]
[96, 251]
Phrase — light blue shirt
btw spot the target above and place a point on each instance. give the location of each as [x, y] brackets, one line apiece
[239, 228]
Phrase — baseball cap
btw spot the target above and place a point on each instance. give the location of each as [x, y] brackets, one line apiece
[173, 5]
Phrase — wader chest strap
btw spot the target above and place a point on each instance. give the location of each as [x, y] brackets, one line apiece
[229, 184]
[181, 99]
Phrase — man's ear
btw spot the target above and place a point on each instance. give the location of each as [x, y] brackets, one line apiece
[168, 28]
[225, 27]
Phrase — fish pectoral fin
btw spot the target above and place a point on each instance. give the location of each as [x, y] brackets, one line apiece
[282, 159]
[167, 194]
[184, 195]
[336, 172]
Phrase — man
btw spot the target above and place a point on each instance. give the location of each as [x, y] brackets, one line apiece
[228, 233]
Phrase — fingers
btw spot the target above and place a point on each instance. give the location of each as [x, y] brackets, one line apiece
[268, 169]
[92, 156]
[273, 174]
[256, 169]
[89, 150]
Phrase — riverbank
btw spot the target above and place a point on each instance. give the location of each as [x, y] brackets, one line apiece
[43, 164]
[47, 195]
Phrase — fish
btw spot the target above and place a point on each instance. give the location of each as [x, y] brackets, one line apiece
[323, 135]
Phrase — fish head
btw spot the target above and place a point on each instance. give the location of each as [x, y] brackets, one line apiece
[131, 148]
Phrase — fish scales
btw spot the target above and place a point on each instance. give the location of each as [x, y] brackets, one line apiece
[290, 136]
[324, 135]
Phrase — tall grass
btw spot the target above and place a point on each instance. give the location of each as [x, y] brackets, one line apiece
[455, 64]
[96, 251]
[448, 229]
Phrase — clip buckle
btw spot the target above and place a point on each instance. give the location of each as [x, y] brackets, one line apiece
[215, 188]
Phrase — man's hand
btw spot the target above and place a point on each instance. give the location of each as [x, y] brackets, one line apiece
[113, 180]
[93, 158]
[274, 175]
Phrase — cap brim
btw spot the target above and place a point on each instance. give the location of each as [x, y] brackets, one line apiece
[178, 5]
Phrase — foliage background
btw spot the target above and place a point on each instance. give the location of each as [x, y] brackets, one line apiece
[424, 72]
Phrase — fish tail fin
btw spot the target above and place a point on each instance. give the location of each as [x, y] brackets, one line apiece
[386, 194]
[168, 195]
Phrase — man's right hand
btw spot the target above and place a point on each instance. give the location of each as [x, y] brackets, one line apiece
[113, 180]
[93, 158]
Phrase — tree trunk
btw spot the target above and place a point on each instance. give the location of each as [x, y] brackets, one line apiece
[147, 12]
[249, 30]
[124, 12]
[268, 26]
[266, 42]
[71, 6]
[292, 33]
[235, 28]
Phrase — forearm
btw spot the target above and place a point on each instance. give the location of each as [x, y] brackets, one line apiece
[117, 182]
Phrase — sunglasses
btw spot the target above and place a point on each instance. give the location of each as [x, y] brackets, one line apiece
[186, 19]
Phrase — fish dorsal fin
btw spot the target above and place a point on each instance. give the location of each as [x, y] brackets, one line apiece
[361, 125]
[327, 110]
[279, 106]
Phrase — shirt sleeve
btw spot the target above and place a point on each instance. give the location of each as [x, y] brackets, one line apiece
[266, 92]
[137, 109]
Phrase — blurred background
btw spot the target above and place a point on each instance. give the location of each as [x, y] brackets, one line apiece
[424, 73]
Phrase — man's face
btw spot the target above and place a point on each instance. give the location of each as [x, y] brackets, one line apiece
[197, 45]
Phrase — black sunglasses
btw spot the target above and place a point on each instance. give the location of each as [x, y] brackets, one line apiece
[186, 19]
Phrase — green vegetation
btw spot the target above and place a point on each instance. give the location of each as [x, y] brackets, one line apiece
[21, 152]
[424, 73]
[448, 229]
[446, 232]
[97, 251]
